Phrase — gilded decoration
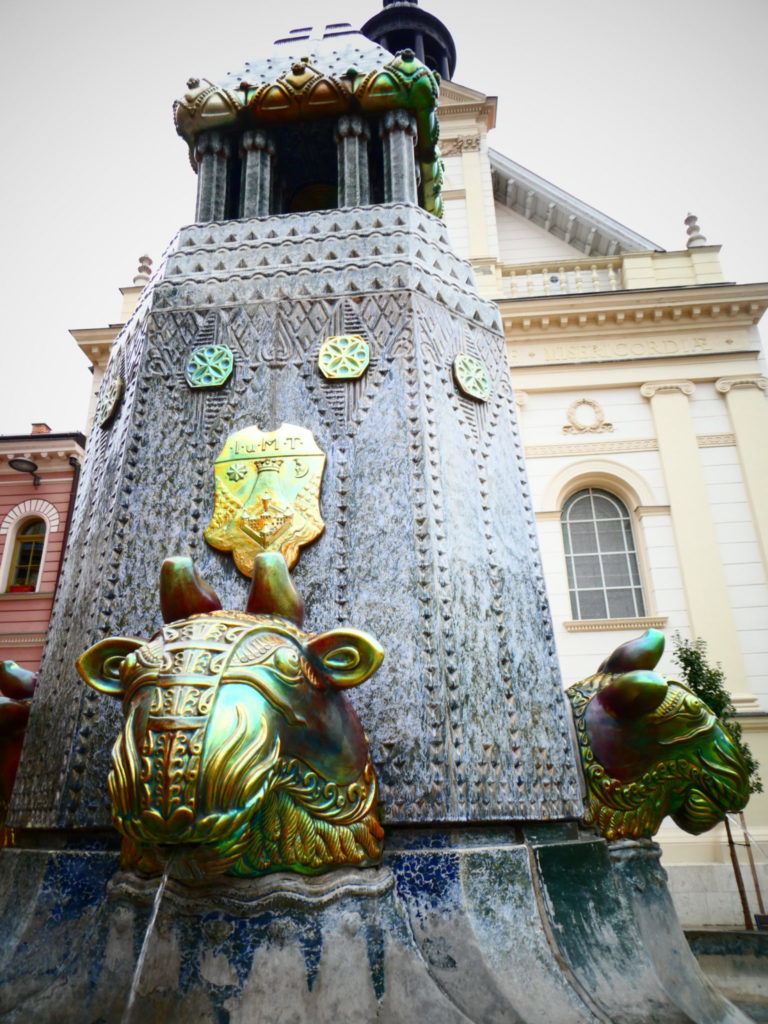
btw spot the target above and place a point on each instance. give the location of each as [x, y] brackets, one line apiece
[651, 748]
[472, 377]
[267, 494]
[239, 754]
[585, 416]
[345, 357]
[109, 401]
[303, 92]
[205, 105]
[209, 366]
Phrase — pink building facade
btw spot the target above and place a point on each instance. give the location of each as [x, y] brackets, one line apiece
[38, 481]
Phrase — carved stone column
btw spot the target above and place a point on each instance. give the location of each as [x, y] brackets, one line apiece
[748, 412]
[698, 549]
[398, 133]
[212, 154]
[258, 153]
[352, 137]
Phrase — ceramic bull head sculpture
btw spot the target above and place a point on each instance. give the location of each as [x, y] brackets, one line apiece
[650, 748]
[240, 753]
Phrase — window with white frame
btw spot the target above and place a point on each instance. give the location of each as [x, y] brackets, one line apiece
[601, 557]
[24, 534]
[27, 556]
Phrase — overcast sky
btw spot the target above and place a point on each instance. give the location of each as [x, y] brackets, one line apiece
[644, 110]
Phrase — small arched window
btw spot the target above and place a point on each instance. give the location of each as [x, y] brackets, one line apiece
[601, 557]
[27, 556]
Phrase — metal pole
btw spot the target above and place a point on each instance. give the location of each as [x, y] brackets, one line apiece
[748, 845]
[739, 880]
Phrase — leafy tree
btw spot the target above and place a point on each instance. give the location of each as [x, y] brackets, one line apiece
[708, 684]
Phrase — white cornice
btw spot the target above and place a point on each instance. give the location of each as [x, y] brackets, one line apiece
[95, 342]
[560, 213]
[634, 311]
[50, 454]
[593, 625]
[457, 100]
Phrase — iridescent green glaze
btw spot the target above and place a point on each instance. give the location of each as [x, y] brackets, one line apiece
[344, 357]
[17, 687]
[240, 754]
[305, 93]
[650, 748]
[209, 366]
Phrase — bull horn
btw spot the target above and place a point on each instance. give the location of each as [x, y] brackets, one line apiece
[633, 694]
[272, 589]
[641, 652]
[183, 592]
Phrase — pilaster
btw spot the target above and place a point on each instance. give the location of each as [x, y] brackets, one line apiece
[748, 411]
[398, 133]
[352, 137]
[472, 174]
[258, 153]
[212, 155]
[706, 589]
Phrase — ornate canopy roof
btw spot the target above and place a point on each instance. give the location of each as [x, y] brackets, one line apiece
[307, 78]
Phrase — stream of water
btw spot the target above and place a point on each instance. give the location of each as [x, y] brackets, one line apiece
[126, 1018]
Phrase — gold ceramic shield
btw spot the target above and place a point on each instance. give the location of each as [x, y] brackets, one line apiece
[267, 494]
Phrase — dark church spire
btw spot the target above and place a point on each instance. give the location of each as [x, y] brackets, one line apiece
[404, 25]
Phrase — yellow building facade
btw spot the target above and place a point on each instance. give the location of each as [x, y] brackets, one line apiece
[639, 376]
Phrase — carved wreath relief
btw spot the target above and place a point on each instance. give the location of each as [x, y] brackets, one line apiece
[267, 494]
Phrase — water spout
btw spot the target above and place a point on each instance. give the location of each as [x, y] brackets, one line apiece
[126, 1018]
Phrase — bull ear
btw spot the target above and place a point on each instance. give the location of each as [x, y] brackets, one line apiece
[641, 652]
[633, 694]
[346, 657]
[99, 666]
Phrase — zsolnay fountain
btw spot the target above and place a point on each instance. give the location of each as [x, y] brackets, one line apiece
[345, 781]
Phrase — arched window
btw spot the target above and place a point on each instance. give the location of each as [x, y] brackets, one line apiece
[601, 558]
[27, 556]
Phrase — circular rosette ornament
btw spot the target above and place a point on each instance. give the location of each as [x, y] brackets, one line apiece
[109, 402]
[209, 366]
[472, 377]
[345, 357]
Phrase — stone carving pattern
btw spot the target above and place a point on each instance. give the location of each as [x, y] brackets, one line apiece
[441, 340]
[128, 440]
[433, 685]
[451, 748]
[462, 144]
[108, 453]
[278, 333]
[170, 338]
[349, 267]
[443, 348]
[480, 424]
